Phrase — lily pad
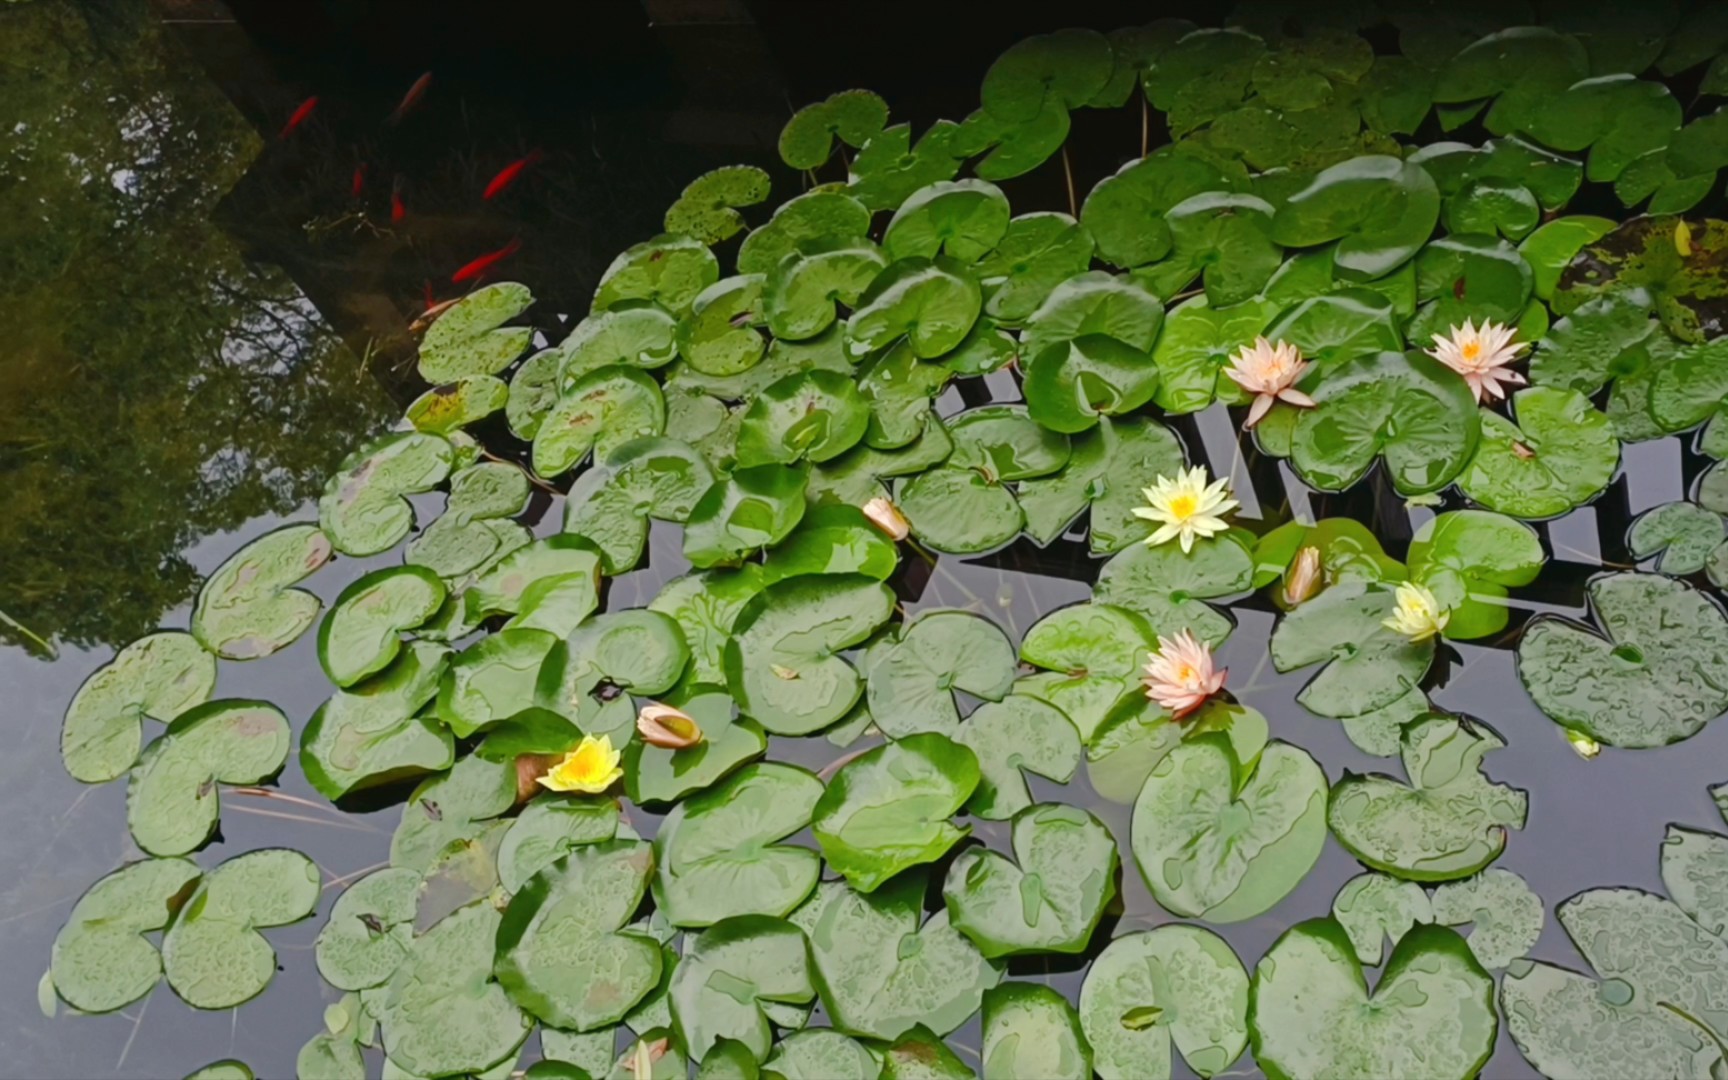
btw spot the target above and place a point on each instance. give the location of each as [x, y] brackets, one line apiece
[852, 116]
[1031, 1030]
[160, 676]
[471, 533]
[1348, 552]
[707, 208]
[633, 333]
[900, 389]
[449, 807]
[821, 1054]
[533, 390]
[820, 215]
[360, 635]
[583, 677]
[654, 774]
[719, 336]
[444, 409]
[372, 733]
[1651, 678]
[802, 289]
[889, 808]
[1682, 535]
[1449, 822]
[1070, 384]
[705, 605]
[172, 800]
[959, 511]
[1368, 665]
[101, 960]
[442, 1011]
[1375, 908]
[920, 1055]
[932, 302]
[915, 674]
[1094, 303]
[718, 854]
[1691, 389]
[550, 827]
[815, 415]
[964, 219]
[363, 511]
[754, 508]
[1196, 345]
[646, 478]
[1050, 898]
[1173, 984]
[1065, 68]
[1469, 559]
[669, 269]
[1092, 653]
[833, 539]
[351, 954]
[213, 955]
[1550, 249]
[600, 411]
[1222, 237]
[514, 583]
[248, 608]
[1125, 212]
[492, 680]
[1348, 324]
[470, 337]
[1037, 253]
[1380, 208]
[1169, 586]
[1506, 916]
[1559, 454]
[1004, 443]
[729, 973]
[1599, 340]
[1019, 734]
[1107, 470]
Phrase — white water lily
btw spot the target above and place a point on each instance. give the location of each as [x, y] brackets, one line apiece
[887, 517]
[1269, 371]
[1180, 676]
[1418, 615]
[1185, 507]
[1480, 354]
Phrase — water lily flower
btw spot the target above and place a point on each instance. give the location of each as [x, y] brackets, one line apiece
[668, 728]
[590, 768]
[1480, 354]
[1418, 615]
[1269, 371]
[1186, 507]
[887, 517]
[1180, 676]
[1302, 580]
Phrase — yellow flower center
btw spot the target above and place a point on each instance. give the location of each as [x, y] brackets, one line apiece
[1183, 506]
[1186, 673]
[1471, 350]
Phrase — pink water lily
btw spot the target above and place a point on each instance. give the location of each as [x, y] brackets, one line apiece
[1269, 371]
[1180, 676]
[1480, 354]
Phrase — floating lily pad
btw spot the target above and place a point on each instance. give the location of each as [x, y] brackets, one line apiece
[718, 854]
[600, 411]
[964, 219]
[1348, 552]
[1066, 68]
[492, 680]
[900, 389]
[669, 269]
[1468, 277]
[633, 333]
[802, 289]
[611, 504]
[1125, 212]
[719, 336]
[933, 302]
[470, 337]
[1469, 559]
[533, 390]
[1691, 389]
[781, 663]
[1599, 340]
[821, 1054]
[248, 608]
[833, 539]
[1682, 535]
[920, 1055]
[1449, 822]
[1506, 916]
[1019, 734]
[1107, 470]
[1050, 898]
[449, 807]
[1376, 908]
[372, 734]
[213, 955]
[370, 929]
[1380, 208]
[1223, 238]
[754, 508]
[1343, 325]
[1652, 679]
[1174, 984]
[159, 676]
[1004, 443]
[472, 532]
[1368, 665]
[889, 809]
[1169, 586]
[444, 409]
[442, 1011]
[1070, 384]
[852, 116]
[707, 208]
[1552, 246]
[1037, 253]
[1560, 453]
[360, 634]
[705, 605]
[101, 959]
[172, 801]
[554, 562]
[654, 774]
[728, 973]
[1686, 291]
[363, 511]
[1031, 1030]
[1093, 654]
[1491, 205]
[1134, 737]
[821, 215]
[816, 415]
[915, 674]
[549, 828]
[1196, 345]
[584, 677]
[1094, 303]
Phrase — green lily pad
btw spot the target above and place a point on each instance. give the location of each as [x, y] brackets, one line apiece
[470, 337]
[442, 1011]
[932, 302]
[645, 478]
[1375, 908]
[1107, 470]
[857, 476]
[879, 972]
[1506, 916]
[1031, 1030]
[1468, 277]
[815, 415]
[1067, 68]
[1196, 345]
[719, 336]
[600, 411]
[101, 960]
[444, 409]
[213, 955]
[633, 333]
[821, 215]
[248, 607]
[669, 270]
[1050, 898]
[1686, 291]
[1222, 237]
[363, 511]
[1125, 212]
[1173, 984]
[821, 1054]
[1004, 443]
[1551, 248]
[492, 680]
[1559, 454]
[1348, 552]
[1019, 734]
[549, 828]
[1093, 654]
[654, 774]
[1652, 678]
[1224, 839]
[370, 929]
[450, 807]
[512, 585]
[1493, 206]
[160, 675]
[833, 539]
[1380, 208]
[1682, 535]
[1094, 303]
[1599, 340]
[707, 208]
[639, 651]
[705, 605]
[901, 390]
[1070, 384]
[533, 391]
[1312, 1016]
[1406, 408]
[718, 854]
[1368, 665]
[914, 674]
[1449, 822]
[781, 663]
[1469, 559]
[1037, 253]
[754, 508]
[1347, 324]
[728, 973]
[1691, 389]
[1169, 586]
[889, 808]
[920, 1055]
[372, 733]
[804, 286]
[1134, 737]
[964, 219]
[360, 634]
[472, 532]
[172, 800]
[852, 116]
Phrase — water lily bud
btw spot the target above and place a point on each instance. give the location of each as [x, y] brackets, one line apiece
[1586, 747]
[887, 517]
[1302, 580]
[668, 728]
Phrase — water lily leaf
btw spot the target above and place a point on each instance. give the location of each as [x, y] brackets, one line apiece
[1224, 839]
[1311, 1013]
[1174, 984]
[920, 1055]
[1559, 454]
[833, 538]
[1037, 253]
[915, 673]
[1552, 178]
[1368, 665]
[1093, 654]
[933, 302]
[1468, 559]
[1017, 735]
[781, 663]
[1686, 290]
[172, 799]
[1380, 208]
[450, 807]
[854, 116]
[248, 608]
[1348, 552]
[1375, 908]
[442, 1011]
[1449, 822]
[669, 270]
[360, 634]
[522, 576]
[160, 675]
[1591, 345]
[963, 219]
[1050, 898]
[1507, 916]
[705, 605]
[821, 1054]
[654, 774]
[728, 972]
[351, 954]
[888, 809]
[1125, 212]
[1691, 389]
[706, 210]
[363, 511]
[470, 337]
[1682, 535]
[1031, 1030]
[533, 390]
[101, 959]
[857, 476]
[1551, 248]
[822, 215]
[1493, 206]
[816, 415]
[719, 336]
[1651, 679]
[1070, 384]
[471, 533]
[879, 973]
[633, 333]
[1475, 277]
[1135, 735]
[1169, 587]
[611, 504]
[549, 828]
[1065, 68]
[1406, 408]
[1094, 303]
[1195, 56]
[1339, 326]
[754, 508]
[213, 955]
[492, 680]
[1196, 345]
[1224, 237]
[600, 411]
[1004, 443]
[802, 289]
[1107, 470]
[370, 734]
[584, 677]
[454, 405]
[718, 854]
[901, 390]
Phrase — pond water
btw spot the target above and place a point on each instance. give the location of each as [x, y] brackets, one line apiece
[203, 320]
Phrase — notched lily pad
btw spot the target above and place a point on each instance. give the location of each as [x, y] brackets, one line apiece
[1559, 454]
[914, 675]
[470, 337]
[1031, 1030]
[248, 608]
[669, 269]
[708, 207]
[442, 1013]
[172, 801]
[213, 955]
[360, 635]
[101, 960]
[373, 733]
[1049, 898]
[158, 676]
[1175, 984]
[1368, 665]
[1019, 734]
[363, 511]
[889, 809]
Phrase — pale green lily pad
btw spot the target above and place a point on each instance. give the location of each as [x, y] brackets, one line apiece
[633, 333]
[1681, 535]
[472, 531]
[1169, 586]
[1049, 899]
[360, 635]
[600, 411]
[533, 391]
[470, 338]
[728, 973]
[1689, 390]
[889, 809]
[1031, 1030]
[920, 1055]
[1348, 552]
[959, 511]
[781, 663]
[443, 1012]
[512, 584]
[914, 675]
[932, 302]
[1065, 68]
[707, 208]
[370, 929]
[1133, 738]
[754, 508]
[964, 219]
[821, 1054]
[1381, 208]
[589, 677]
[1553, 245]
[248, 607]
[821, 215]
[815, 415]
[213, 955]
[719, 336]
[1175, 984]
[833, 539]
[1004, 443]
[1071, 384]
[159, 676]
[1094, 303]
[654, 774]
[172, 800]
[1196, 345]
[668, 269]
[371, 734]
[1506, 916]
[889, 167]
[1093, 654]
[1037, 253]
[363, 511]
[1368, 665]
[550, 827]
[444, 409]
[705, 605]
[101, 960]
[1559, 454]
[449, 807]
[1375, 908]
[1223, 238]
[1601, 339]
[492, 680]
[653, 477]
[852, 116]
[802, 289]
[901, 390]
[1346, 324]
[1107, 470]
[1019, 734]
[1469, 559]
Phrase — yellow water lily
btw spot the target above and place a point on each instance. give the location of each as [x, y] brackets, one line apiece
[1185, 507]
[1418, 615]
[590, 768]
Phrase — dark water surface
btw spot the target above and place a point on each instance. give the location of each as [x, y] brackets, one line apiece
[199, 321]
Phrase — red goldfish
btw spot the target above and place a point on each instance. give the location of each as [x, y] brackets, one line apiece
[299, 117]
[508, 175]
[485, 262]
[411, 98]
